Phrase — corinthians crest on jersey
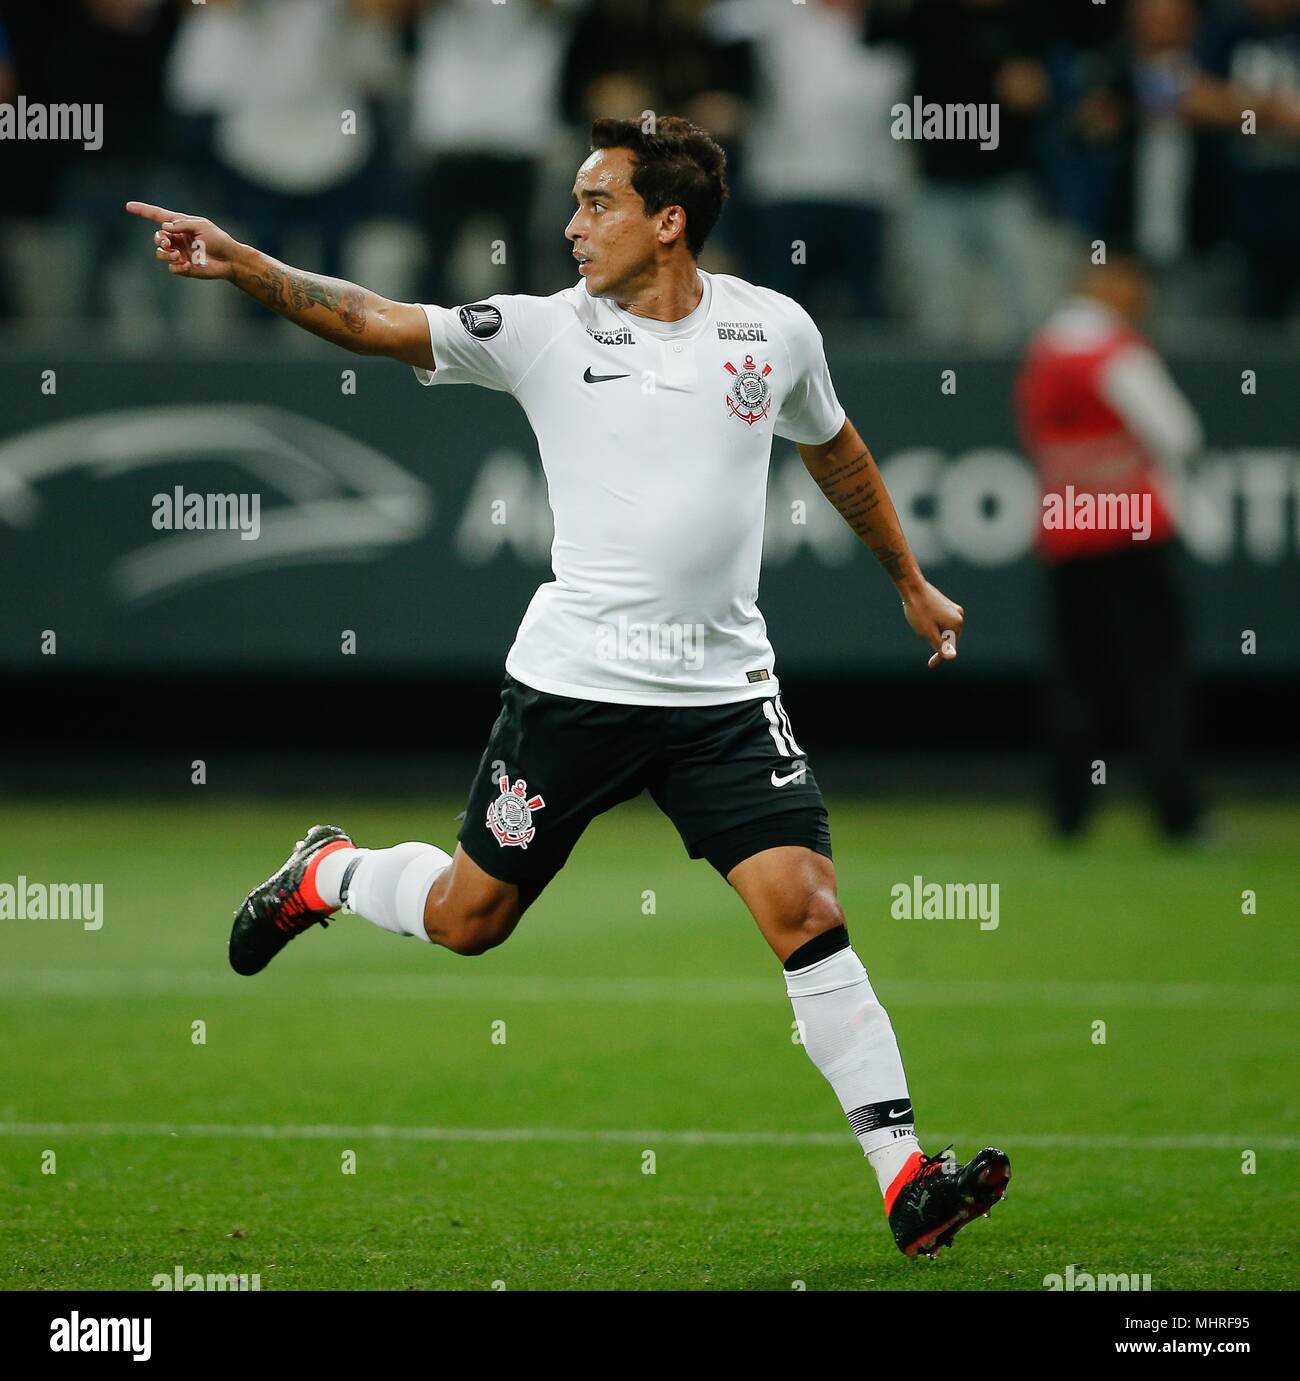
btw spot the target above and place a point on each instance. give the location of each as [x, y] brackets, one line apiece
[510, 816]
[750, 395]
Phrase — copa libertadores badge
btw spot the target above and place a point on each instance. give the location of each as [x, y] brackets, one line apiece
[481, 319]
[749, 396]
[510, 816]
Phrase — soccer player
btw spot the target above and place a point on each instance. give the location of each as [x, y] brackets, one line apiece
[655, 390]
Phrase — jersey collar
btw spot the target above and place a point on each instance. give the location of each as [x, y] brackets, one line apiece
[671, 330]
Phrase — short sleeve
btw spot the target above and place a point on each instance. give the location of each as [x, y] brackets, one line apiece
[811, 413]
[1135, 382]
[492, 343]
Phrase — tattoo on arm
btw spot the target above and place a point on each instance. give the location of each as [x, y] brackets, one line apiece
[891, 560]
[853, 487]
[287, 290]
[271, 287]
[347, 302]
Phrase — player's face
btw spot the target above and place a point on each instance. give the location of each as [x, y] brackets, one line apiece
[614, 240]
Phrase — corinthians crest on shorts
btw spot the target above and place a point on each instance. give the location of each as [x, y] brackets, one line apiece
[749, 395]
[510, 816]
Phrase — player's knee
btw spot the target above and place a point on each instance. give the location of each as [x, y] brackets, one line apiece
[819, 912]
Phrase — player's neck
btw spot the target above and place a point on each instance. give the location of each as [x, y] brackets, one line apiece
[674, 294]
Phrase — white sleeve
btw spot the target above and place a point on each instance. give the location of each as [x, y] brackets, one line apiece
[1138, 386]
[811, 413]
[492, 343]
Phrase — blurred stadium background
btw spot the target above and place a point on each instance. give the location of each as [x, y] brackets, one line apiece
[173, 650]
[470, 119]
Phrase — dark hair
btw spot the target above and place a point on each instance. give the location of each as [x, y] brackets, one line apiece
[677, 164]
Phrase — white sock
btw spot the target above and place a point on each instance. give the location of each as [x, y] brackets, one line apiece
[847, 1035]
[329, 875]
[388, 887]
[888, 1159]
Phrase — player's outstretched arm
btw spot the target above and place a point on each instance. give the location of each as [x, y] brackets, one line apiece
[348, 315]
[846, 473]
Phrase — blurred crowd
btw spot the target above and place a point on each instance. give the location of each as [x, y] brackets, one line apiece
[428, 147]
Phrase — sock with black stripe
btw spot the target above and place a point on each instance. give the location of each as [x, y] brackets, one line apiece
[848, 1036]
[387, 887]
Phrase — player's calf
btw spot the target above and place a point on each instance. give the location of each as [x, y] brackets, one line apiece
[410, 889]
[325, 872]
[418, 889]
[468, 911]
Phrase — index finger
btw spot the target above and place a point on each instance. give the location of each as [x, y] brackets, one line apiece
[150, 213]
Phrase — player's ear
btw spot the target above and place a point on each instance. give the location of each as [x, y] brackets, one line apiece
[672, 224]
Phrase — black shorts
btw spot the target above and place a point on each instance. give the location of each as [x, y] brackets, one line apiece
[731, 778]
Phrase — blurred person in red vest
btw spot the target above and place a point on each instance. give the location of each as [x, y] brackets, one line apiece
[1106, 427]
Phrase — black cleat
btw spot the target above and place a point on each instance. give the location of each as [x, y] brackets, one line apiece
[285, 905]
[940, 1198]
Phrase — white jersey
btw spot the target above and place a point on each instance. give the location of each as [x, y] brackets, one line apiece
[655, 439]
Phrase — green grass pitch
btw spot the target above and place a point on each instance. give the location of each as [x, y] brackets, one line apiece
[628, 1033]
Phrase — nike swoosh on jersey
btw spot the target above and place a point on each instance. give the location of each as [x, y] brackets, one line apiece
[893, 1116]
[785, 781]
[590, 378]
